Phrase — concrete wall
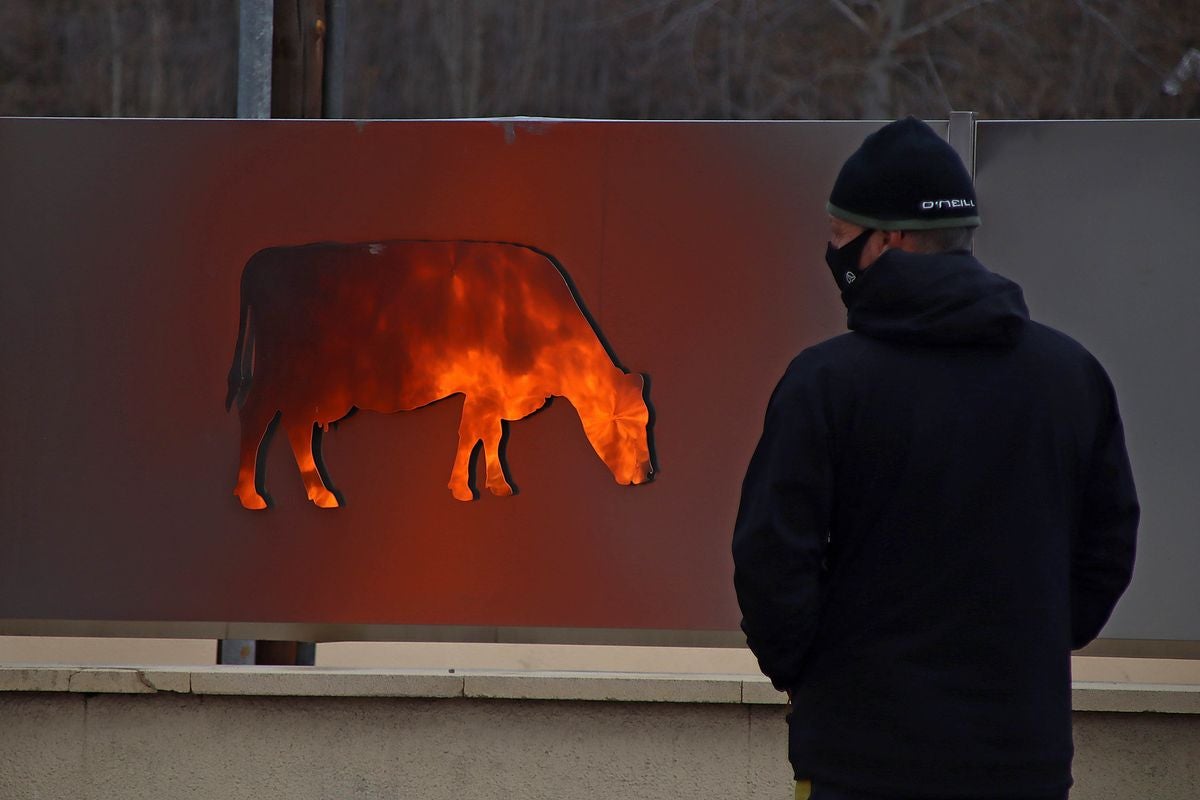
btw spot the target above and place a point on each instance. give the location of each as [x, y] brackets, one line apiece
[1141, 755]
[282, 733]
[112, 746]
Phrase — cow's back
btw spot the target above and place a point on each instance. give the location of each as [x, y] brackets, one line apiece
[395, 325]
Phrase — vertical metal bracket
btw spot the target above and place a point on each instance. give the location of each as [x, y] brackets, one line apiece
[961, 135]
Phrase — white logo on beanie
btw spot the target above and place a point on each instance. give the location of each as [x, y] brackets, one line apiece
[929, 205]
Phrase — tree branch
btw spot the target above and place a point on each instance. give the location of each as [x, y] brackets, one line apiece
[1117, 35]
[849, 14]
[940, 19]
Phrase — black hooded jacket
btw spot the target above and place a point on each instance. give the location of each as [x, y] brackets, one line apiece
[939, 510]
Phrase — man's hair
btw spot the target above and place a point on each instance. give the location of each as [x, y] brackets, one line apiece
[942, 240]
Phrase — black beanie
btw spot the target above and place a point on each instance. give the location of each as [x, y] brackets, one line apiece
[904, 177]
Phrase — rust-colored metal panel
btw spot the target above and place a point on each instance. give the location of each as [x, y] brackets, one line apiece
[694, 249]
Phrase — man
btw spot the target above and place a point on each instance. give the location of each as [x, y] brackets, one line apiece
[939, 510]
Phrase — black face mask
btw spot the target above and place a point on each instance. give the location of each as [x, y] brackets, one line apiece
[843, 261]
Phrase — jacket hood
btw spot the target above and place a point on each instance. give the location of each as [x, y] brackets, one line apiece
[948, 298]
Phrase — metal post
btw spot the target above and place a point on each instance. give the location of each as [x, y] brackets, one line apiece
[256, 53]
[335, 60]
[297, 63]
[961, 136]
[306, 654]
[236, 651]
[256, 21]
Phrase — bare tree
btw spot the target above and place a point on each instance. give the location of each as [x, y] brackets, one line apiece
[637, 59]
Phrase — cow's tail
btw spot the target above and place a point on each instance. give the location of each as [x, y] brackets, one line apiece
[240, 374]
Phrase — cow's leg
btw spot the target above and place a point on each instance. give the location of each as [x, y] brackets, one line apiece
[255, 421]
[300, 436]
[480, 422]
[460, 474]
[497, 481]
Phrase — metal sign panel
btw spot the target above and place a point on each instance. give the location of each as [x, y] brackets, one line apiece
[1092, 219]
[694, 248]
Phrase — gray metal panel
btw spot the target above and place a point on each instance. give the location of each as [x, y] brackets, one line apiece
[1095, 220]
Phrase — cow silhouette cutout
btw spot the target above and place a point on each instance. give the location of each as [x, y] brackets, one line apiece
[391, 326]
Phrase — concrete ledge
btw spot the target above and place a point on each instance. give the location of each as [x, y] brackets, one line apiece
[129, 681]
[621, 687]
[761, 692]
[1136, 698]
[93, 680]
[35, 679]
[315, 682]
[483, 684]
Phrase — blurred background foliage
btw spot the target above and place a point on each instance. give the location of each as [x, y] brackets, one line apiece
[631, 59]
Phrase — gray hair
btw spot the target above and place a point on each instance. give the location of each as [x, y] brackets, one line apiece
[942, 240]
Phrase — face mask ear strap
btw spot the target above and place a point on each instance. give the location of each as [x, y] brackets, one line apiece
[860, 242]
[843, 261]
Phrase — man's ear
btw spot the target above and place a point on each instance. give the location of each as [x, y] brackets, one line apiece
[899, 240]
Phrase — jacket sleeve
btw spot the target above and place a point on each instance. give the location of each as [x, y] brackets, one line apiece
[782, 526]
[1105, 541]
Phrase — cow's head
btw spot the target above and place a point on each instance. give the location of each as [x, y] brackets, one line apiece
[617, 426]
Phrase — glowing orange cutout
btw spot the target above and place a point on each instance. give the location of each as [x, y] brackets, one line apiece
[392, 326]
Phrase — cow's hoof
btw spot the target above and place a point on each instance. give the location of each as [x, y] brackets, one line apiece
[251, 500]
[463, 493]
[323, 498]
[500, 489]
